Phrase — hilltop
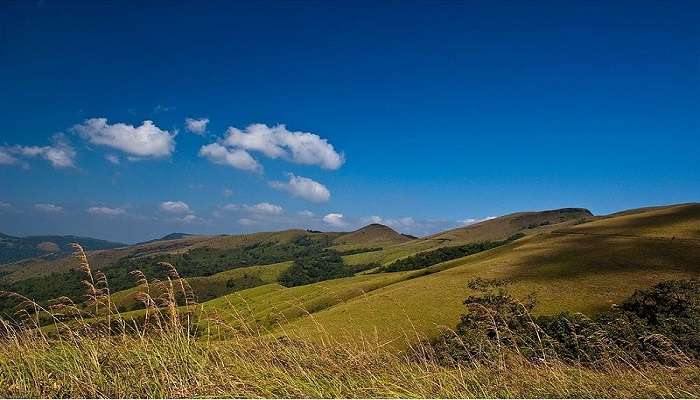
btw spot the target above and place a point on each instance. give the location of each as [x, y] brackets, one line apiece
[372, 235]
[495, 229]
[502, 227]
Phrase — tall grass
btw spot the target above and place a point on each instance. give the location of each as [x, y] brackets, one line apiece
[93, 351]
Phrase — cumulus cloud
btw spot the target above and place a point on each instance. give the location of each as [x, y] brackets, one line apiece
[274, 142]
[306, 188]
[334, 219]
[257, 210]
[112, 158]
[277, 141]
[48, 208]
[264, 209]
[196, 126]
[235, 158]
[175, 207]
[60, 154]
[106, 211]
[144, 141]
[306, 214]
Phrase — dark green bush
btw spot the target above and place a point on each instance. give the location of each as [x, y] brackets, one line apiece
[311, 269]
[660, 324]
[432, 257]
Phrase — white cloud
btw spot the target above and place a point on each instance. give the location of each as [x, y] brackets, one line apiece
[175, 207]
[306, 214]
[247, 221]
[196, 126]
[189, 219]
[106, 211]
[4, 205]
[231, 207]
[227, 193]
[335, 219]
[374, 219]
[396, 223]
[305, 188]
[144, 141]
[278, 142]
[235, 158]
[471, 221]
[260, 209]
[60, 154]
[6, 158]
[264, 209]
[112, 158]
[48, 208]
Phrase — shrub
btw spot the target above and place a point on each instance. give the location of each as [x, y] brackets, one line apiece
[312, 269]
[658, 325]
[432, 257]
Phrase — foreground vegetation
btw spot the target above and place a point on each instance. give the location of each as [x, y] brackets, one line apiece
[167, 355]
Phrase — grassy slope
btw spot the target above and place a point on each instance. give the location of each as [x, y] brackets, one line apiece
[270, 305]
[373, 235]
[13, 249]
[213, 286]
[495, 229]
[584, 271]
[99, 259]
[103, 258]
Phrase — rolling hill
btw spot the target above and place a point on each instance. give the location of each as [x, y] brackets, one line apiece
[569, 259]
[586, 269]
[14, 248]
[496, 229]
[372, 235]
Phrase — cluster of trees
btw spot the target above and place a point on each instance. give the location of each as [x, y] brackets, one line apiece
[660, 324]
[315, 268]
[432, 257]
[202, 261]
[358, 251]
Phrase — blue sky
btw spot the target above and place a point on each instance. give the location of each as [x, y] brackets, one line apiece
[421, 115]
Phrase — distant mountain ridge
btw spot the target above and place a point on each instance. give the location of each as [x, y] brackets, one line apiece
[13, 248]
[502, 227]
[170, 236]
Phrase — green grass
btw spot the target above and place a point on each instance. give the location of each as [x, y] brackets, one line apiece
[171, 365]
[566, 271]
[361, 336]
[217, 285]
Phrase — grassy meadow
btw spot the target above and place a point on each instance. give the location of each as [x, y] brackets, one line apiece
[107, 356]
[241, 333]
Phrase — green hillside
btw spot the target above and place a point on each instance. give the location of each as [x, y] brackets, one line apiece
[372, 235]
[19, 248]
[495, 229]
[194, 257]
[570, 260]
[584, 271]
